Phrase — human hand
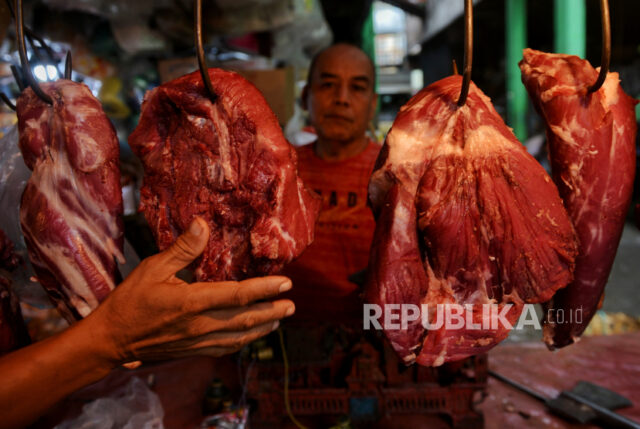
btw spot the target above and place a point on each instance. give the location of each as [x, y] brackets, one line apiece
[153, 315]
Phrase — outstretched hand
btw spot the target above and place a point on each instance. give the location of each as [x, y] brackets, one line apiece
[153, 315]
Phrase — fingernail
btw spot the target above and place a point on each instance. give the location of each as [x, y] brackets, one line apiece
[195, 228]
[285, 286]
[290, 311]
[275, 325]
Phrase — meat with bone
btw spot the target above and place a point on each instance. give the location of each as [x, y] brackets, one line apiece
[72, 205]
[13, 332]
[228, 162]
[464, 216]
[592, 151]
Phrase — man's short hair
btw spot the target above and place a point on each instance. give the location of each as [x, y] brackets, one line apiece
[314, 60]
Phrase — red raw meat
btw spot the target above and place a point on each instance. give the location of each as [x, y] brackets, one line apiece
[72, 205]
[13, 332]
[229, 163]
[593, 161]
[464, 216]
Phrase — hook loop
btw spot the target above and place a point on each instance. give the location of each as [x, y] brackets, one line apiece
[606, 46]
[23, 55]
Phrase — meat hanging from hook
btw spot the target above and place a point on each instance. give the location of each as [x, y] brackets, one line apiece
[606, 46]
[468, 51]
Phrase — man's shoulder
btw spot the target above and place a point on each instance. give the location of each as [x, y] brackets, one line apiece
[306, 153]
[306, 149]
[372, 150]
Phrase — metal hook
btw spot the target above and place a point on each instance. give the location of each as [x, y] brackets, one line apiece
[202, 64]
[68, 66]
[606, 46]
[17, 75]
[31, 36]
[468, 51]
[6, 101]
[23, 55]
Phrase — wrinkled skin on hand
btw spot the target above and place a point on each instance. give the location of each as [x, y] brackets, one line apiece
[153, 315]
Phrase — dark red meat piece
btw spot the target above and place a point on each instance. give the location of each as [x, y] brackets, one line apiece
[592, 152]
[229, 163]
[464, 216]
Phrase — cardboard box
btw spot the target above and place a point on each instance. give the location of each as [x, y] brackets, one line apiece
[277, 85]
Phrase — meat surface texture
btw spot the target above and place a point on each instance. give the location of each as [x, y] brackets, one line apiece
[71, 209]
[592, 151]
[13, 332]
[465, 216]
[228, 162]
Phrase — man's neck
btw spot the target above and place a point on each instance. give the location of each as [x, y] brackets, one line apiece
[332, 150]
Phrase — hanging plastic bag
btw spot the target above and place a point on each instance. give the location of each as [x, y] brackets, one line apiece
[133, 406]
[14, 175]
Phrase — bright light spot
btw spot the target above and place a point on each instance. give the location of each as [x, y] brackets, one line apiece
[52, 73]
[416, 80]
[40, 73]
[45, 74]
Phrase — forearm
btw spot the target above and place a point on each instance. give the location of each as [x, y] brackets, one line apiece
[36, 377]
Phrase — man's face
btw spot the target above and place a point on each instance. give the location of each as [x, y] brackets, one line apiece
[340, 97]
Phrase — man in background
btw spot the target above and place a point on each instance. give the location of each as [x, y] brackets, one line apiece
[341, 100]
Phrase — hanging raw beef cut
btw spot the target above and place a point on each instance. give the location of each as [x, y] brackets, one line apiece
[464, 216]
[72, 205]
[13, 332]
[228, 162]
[592, 151]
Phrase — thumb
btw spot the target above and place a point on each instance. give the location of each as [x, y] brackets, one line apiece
[184, 250]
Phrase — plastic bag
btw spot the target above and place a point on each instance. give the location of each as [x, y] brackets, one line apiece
[13, 178]
[306, 35]
[14, 175]
[133, 406]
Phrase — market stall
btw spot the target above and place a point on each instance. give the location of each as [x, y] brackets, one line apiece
[246, 215]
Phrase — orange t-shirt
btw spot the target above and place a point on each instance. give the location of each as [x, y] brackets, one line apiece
[343, 236]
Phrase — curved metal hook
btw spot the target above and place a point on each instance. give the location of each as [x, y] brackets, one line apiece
[606, 46]
[202, 64]
[68, 66]
[31, 36]
[468, 51]
[23, 55]
[17, 75]
[6, 101]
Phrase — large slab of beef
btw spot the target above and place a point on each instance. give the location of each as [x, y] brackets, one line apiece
[592, 151]
[72, 205]
[13, 331]
[228, 162]
[464, 216]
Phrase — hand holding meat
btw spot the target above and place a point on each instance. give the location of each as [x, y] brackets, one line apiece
[154, 315]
